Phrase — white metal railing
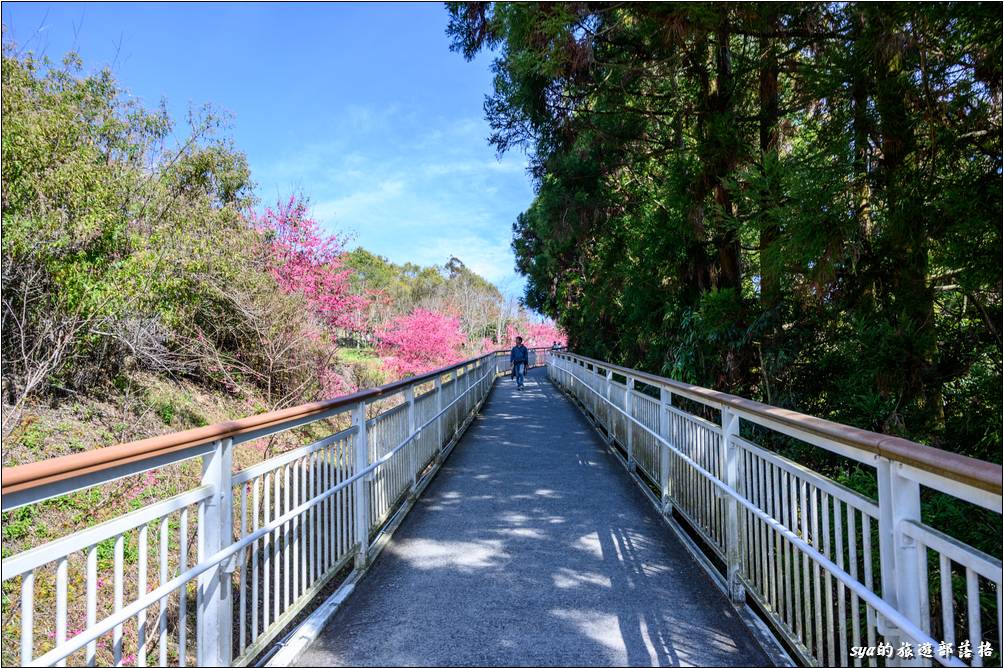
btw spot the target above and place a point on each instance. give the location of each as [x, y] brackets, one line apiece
[214, 574]
[831, 569]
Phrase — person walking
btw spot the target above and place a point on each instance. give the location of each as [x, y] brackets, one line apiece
[520, 358]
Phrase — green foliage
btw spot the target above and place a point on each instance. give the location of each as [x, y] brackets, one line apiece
[110, 235]
[799, 203]
[124, 252]
[20, 524]
[166, 413]
[32, 437]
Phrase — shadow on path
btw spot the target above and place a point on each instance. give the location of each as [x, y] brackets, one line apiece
[533, 547]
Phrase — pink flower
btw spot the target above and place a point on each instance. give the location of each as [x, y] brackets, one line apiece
[308, 262]
[332, 384]
[536, 334]
[420, 341]
[149, 479]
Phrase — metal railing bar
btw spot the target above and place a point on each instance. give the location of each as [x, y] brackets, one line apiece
[985, 565]
[855, 499]
[83, 479]
[876, 602]
[950, 465]
[17, 565]
[287, 425]
[110, 622]
[289, 456]
[449, 406]
[973, 495]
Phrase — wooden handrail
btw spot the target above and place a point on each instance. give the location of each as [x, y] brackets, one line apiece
[32, 475]
[979, 473]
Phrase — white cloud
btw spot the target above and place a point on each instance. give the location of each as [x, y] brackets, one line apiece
[358, 203]
[492, 260]
[413, 192]
[470, 167]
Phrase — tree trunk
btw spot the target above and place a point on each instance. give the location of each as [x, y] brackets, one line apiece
[725, 146]
[770, 287]
[909, 300]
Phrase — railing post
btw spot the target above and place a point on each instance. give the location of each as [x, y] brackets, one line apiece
[899, 502]
[215, 614]
[359, 488]
[472, 398]
[439, 418]
[468, 407]
[409, 397]
[629, 410]
[463, 389]
[457, 394]
[447, 402]
[665, 423]
[733, 536]
[609, 405]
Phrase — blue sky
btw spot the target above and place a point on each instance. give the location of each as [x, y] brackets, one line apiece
[360, 107]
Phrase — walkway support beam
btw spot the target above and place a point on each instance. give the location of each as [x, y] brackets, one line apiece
[733, 535]
[360, 492]
[900, 554]
[629, 423]
[215, 594]
[665, 429]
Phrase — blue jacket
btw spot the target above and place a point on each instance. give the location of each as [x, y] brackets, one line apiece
[519, 354]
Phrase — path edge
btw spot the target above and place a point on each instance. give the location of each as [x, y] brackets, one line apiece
[761, 633]
[296, 642]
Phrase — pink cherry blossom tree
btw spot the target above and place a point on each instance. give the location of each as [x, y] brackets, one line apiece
[309, 262]
[544, 334]
[420, 341]
[535, 335]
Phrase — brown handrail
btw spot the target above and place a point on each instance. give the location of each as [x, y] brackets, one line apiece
[35, 474]
[978, 473]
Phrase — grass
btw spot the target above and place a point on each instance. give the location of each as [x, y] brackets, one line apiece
[32, 436]
[364, 366]
[358, 355]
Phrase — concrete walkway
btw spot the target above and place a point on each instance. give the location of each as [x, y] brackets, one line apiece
[532, 547]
